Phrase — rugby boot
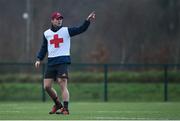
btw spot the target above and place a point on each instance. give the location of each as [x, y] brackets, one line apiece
[55, 108]
[63, 111]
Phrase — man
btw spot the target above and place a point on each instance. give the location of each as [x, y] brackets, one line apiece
[56, 42]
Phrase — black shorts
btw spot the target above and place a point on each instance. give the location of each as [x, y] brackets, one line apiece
[56, 71]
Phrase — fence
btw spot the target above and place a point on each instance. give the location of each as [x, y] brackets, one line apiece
[107, 74]
[106, 67]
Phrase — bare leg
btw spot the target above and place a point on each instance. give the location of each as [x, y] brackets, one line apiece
[52, 93]
[48, 87]
[65, 94]
[64, 90]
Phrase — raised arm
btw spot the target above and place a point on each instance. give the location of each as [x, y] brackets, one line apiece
[78, 30]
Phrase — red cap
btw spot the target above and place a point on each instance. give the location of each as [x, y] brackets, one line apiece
[56, 15]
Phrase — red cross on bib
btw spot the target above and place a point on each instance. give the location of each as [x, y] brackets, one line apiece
[56, 41]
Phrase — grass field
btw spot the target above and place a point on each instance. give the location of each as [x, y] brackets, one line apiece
[91, 111]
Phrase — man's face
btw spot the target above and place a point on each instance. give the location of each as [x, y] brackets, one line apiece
[57, 22]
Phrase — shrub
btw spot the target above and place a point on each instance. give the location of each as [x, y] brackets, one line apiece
[98, 77]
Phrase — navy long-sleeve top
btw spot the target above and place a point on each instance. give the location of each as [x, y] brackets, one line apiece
[61, 59]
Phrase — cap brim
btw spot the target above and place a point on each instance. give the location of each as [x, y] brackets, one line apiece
[59, 17]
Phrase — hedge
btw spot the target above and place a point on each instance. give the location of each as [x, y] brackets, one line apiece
[120, 76]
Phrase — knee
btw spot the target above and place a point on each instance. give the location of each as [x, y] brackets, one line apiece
[47, 87]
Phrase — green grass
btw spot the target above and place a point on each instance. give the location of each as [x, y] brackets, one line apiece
[91, 111]
[93, 92]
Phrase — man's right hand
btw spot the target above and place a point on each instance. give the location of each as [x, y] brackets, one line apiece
[37, 64]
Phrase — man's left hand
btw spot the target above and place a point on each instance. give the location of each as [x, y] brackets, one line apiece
[91, 16]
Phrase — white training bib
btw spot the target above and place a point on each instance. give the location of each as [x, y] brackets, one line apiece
[58, 42]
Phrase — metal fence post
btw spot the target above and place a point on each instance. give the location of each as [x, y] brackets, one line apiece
[43, 92]
[105, 82]
[165, 83]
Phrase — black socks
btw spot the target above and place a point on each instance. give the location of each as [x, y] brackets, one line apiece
[57, 102]
[65, 104]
